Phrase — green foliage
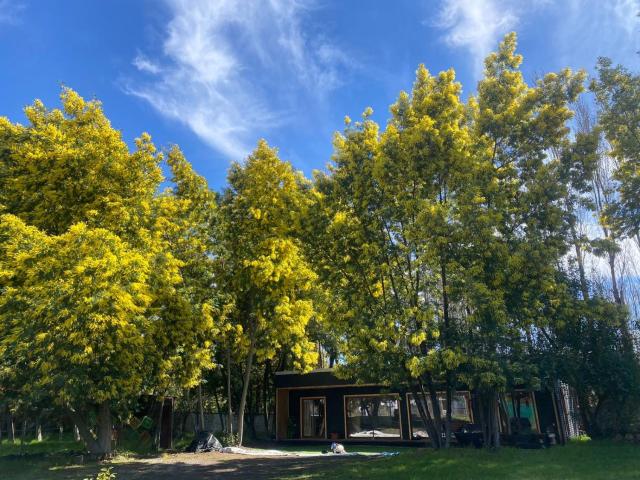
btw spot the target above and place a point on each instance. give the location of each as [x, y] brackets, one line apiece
[69, 166]
[586, 348]
[443, 233]
[106, 284]
[518, 225]
[617, 92]
[228, 439]
[105, 473]
[266, 272]
[73, 312]
[445, 247]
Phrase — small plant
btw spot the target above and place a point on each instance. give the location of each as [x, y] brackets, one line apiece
[104, 474]
[581, 439]
[228, 439]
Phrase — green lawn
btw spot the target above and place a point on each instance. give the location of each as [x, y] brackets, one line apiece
[48, 446]
[50, 458]
[583, 460]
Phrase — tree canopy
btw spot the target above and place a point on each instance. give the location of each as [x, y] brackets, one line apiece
[490, 241]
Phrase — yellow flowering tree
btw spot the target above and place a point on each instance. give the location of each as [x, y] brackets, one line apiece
[106, 289]
[265, 270]
[72, 320]
[394, 237]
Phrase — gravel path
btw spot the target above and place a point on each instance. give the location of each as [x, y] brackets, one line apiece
[224, 465]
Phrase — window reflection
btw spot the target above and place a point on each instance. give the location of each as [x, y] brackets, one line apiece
[460, 411]
[373, 416]
[522, 412]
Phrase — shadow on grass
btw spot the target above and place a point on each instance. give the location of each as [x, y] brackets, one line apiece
[235, 468]
[169, 466]
[592, 460]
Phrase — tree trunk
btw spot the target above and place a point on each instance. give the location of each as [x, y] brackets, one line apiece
[617, 295]
[502, 401]
[99, 444]
[265, 396]
[423, 410]
[489, 419]
[447, 424]
[251, 403]
[578, 250]
[220, 413]
[38, 431]
[23, 433]
[496, 423]
[245, 386]
[104, 428]
[584, 406]
[437, 413]
[11, 429]
[158, 429]
[229, 406]
[446, 341]
[200, 409]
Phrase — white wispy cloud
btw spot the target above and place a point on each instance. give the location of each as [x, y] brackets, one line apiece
[581, 29]
[476, 25]
[143, 64]
[233, 69]
[593, 28]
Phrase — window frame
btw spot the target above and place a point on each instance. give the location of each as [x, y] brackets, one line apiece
[398, 398]
[324, 403]
[465, 393]
[533, 403]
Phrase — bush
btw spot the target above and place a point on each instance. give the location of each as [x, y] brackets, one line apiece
[228, 439]
[104, 474]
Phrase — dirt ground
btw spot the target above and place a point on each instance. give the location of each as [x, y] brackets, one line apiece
[225, 465]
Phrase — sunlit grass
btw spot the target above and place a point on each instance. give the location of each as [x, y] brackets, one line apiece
[582, 459]
[579, 460]
[49, 445]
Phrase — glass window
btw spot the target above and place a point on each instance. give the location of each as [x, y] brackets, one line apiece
[313, 418]
[460, 411]
[373, 416]
[522, 412]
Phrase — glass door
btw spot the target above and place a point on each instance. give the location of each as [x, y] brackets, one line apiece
[314, 422]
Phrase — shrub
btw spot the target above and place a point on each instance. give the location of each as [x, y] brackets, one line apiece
[104, 474]
[228, 439]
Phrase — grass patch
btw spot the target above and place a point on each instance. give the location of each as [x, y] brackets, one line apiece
[580, 460]
[48, 446]
[55, 467]
[53, 459]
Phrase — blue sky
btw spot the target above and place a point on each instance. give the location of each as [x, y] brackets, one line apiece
[214, 76]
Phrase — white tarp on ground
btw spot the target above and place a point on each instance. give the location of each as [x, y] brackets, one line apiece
[280, 453]
[256, 451]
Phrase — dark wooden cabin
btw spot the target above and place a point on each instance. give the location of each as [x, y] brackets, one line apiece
[319, 407]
